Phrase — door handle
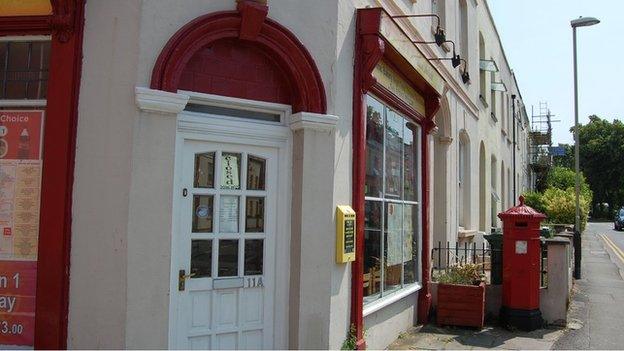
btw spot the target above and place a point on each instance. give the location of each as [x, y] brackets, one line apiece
[182, 277]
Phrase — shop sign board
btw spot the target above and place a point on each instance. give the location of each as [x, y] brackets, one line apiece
[21, 134]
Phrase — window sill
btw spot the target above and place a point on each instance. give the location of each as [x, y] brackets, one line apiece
[390, 299]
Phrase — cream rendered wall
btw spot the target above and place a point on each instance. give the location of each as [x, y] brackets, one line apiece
[119, 287]
[106, 121]
[136, 286]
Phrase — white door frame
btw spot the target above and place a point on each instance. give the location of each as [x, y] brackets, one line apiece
[205, 127]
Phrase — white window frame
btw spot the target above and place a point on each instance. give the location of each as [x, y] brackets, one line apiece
[383, 300]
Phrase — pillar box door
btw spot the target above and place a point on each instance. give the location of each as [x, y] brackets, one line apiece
[521, 267]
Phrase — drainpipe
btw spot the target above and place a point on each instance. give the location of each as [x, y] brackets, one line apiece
[513, 152]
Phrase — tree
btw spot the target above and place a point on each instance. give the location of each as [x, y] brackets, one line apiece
[602, 159]
[558, 201]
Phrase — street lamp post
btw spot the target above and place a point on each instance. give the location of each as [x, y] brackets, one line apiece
[579, 22]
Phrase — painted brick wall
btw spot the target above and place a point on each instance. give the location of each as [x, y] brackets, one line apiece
[238, 70]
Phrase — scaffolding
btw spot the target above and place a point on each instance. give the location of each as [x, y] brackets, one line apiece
[541, 139]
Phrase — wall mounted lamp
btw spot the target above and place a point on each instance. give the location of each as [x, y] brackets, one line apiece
[455, 59]
[439, 36]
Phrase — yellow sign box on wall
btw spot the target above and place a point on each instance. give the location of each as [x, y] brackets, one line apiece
[345, 234]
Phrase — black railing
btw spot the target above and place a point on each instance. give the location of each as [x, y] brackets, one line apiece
[544, 265]
[448, 254]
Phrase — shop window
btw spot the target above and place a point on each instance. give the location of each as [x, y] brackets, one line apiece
[24, 69]
[392, 208]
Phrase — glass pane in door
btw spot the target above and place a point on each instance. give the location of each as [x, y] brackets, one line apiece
[254, 256]
[228, 258]
[254, 215]
[255, 173]
[201, 258]
[204, 170]
[202, 213]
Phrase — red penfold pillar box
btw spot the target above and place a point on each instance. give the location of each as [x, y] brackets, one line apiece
[521, 267]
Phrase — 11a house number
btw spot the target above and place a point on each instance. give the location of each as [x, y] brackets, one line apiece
[253, 282]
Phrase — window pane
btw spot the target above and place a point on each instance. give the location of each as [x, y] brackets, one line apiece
[372, 264]
[372, 218]
[254, 215]
[394, 146]
[228, 214]
[24, 69]
[254, 256]
[204, 170]
[393, 246]
[230, 171]
[255, 173]
[410, 161]
[231, 112]
[202, 213]
[228, 258]
[410, 243]
[374, 148]
[201, 258]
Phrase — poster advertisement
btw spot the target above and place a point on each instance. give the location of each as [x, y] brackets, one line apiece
[20, 191]
[394, 240]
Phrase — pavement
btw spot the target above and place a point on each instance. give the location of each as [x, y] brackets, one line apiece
[595, 315]
[597, 308]
[431, 337]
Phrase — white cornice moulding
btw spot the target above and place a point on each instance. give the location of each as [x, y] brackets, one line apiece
[313, 121]
[160, 101]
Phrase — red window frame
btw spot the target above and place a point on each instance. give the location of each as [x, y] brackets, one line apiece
[370, 48]
[65, 26]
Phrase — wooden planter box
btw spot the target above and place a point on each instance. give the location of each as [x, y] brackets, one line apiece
[461, 305]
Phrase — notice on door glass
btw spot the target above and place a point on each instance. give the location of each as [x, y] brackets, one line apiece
[20, 191]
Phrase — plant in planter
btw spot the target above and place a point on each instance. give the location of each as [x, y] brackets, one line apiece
[461, 296]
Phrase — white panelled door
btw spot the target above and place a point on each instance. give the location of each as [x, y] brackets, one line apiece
[224, 247]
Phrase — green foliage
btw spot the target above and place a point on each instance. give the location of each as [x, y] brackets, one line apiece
[561, 206]
[351, 340]
[564, 178]
[558, 201]
[467, 274]
[534, 200]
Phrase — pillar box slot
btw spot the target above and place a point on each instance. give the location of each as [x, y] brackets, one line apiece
[521, 267]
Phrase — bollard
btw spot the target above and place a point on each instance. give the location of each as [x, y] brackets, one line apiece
[496, 258]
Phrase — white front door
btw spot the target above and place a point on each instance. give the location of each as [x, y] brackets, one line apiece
[224, 243]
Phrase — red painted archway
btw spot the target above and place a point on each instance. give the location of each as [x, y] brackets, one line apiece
[249, 27]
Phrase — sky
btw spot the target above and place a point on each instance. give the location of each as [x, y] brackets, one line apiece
[537, 39]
